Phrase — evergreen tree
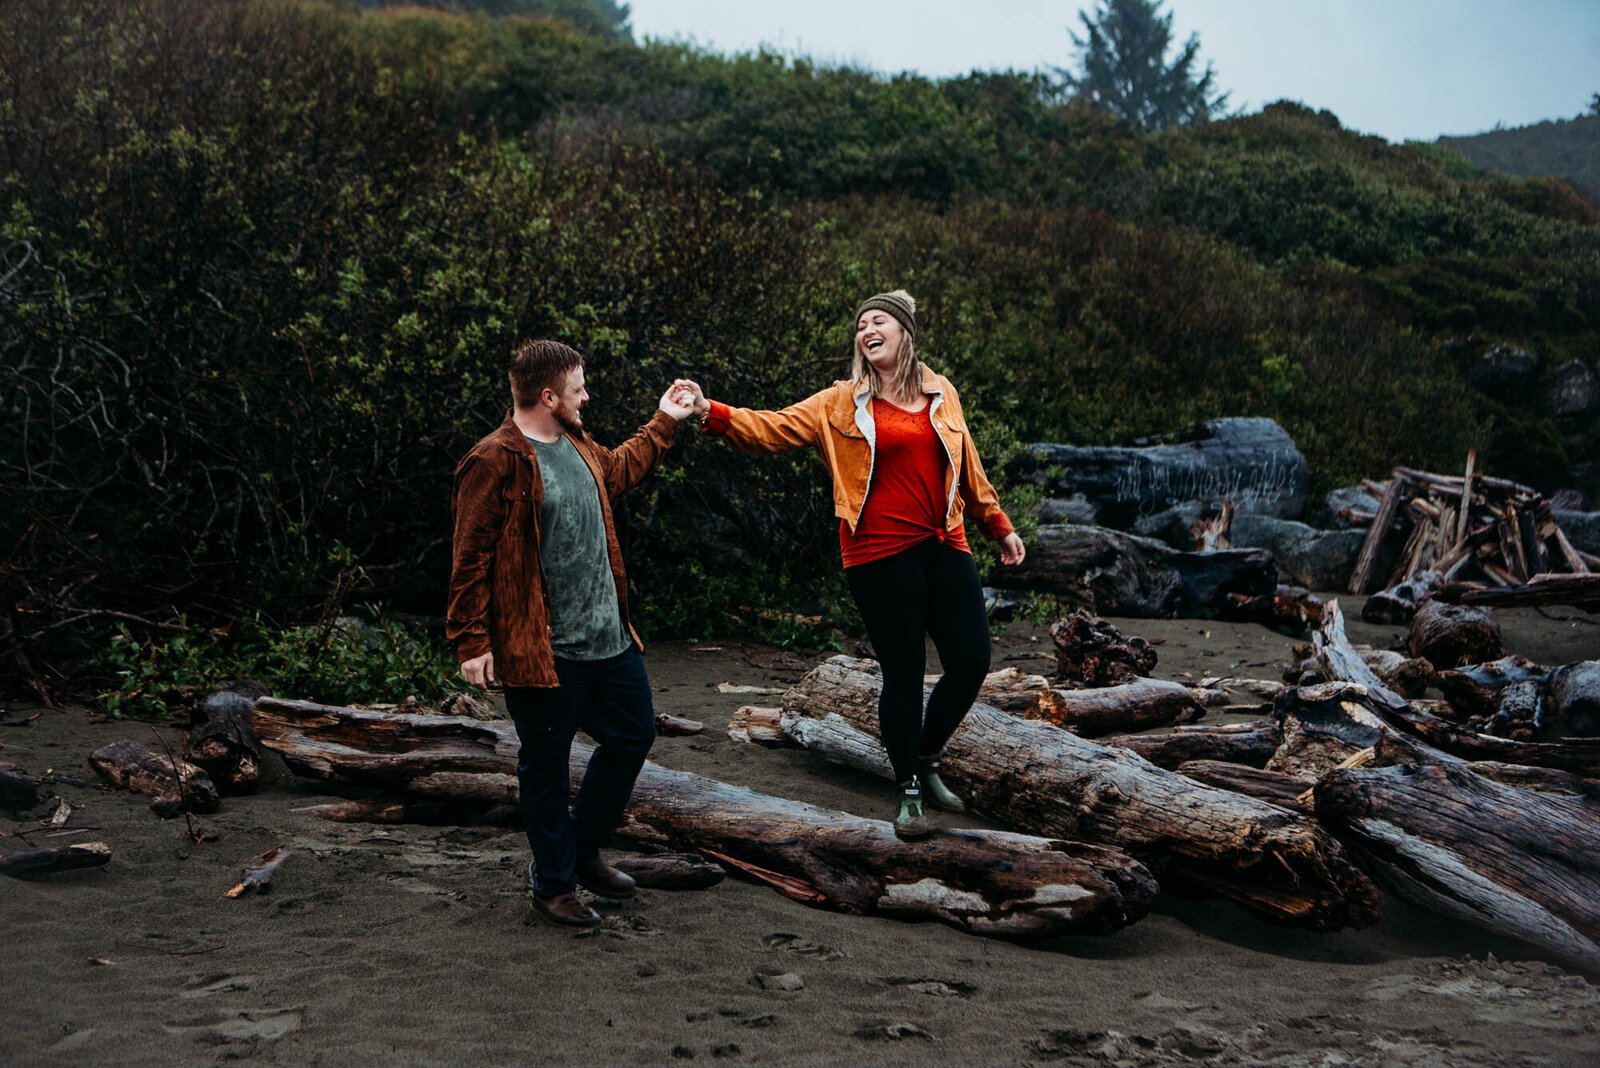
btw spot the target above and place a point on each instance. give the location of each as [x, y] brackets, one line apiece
[1124, 69]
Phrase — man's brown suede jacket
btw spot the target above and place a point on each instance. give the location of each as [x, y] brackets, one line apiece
[497, 600]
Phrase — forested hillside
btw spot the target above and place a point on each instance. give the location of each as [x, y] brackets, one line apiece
[263, 263]
[1566, 148]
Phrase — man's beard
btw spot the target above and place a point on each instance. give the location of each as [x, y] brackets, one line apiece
[570, 420]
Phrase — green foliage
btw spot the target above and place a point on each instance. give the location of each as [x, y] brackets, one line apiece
[263, 263]
[1124, 68]
[1568, 149]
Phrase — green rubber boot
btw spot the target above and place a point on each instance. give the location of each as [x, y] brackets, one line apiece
[909, 821]
[934, 791]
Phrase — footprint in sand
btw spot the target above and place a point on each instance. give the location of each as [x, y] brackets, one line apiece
[793, 943]
[212, 983]
[877, 1031]
[257, 1023]
[614, 926]
[938, 988]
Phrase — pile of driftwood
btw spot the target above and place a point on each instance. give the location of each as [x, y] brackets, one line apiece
[1468, 539]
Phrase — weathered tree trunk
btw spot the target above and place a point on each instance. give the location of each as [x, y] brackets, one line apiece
[144, 771]
[1448, 636]
[1477, 689]
[1044, 780]
[1582, 591]
[1093, 652]
[1007, 688]
[61, 858]
[1512, 861]
[1323, 726]
[984, 882]
[1250, 744]
[1581, 756]
[1409, 676]
[1286, 609]
[1572, 703]
[1123, 574]
[1132, 706]
[1273, 787]
[1398, 604]
[759, 724]
[17, 787]
[223, 741]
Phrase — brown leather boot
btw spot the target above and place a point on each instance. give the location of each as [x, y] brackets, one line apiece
[565, 910]
[598, 877]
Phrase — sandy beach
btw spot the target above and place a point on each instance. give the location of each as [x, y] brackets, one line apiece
[409, 944]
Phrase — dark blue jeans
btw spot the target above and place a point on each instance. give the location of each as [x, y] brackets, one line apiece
[609, 700]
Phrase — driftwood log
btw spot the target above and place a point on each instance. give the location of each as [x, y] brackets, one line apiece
[17, 786]
[1092, 652]
[1044, 780]
[1477, 689]
[1125, 575]
[137, 767]
[1131, 706]
[1400, 602]
[1580, 756]
[983, 882]
[1512, 861]
[1572, 703]
[61, 858]
[1286, 609]
[1273, 787]
[671, 871]
[1250, 744]
[259, 871]
[1448, 636]
[222, 740]
[1581, 591]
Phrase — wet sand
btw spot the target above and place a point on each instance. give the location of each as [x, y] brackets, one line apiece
[408, 944]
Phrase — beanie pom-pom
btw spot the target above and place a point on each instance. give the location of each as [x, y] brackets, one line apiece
[911, 302]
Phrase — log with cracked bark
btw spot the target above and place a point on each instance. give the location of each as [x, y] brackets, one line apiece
[222, 740]
[1512, 861]
[1091, 651]
[1130, 706]
[1448, 636]
[17, 786]
[1043, 780]
[174, 785]
[1273, 787]
[1250, 744]
[983, 882]
[61, 858]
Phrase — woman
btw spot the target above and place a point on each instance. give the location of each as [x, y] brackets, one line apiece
[905, 473]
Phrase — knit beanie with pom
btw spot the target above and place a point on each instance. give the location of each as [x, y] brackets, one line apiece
[898, 303]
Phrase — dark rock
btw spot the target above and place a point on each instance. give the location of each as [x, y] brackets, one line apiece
[1077, 510]
[1252, 462]
[1504, 372]
[1315, 559]
[1571, 390]
[1582, 529]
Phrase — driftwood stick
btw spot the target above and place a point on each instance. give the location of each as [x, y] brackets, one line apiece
[61, 858]
[1466, 497]
[1368, 557]
[259, 871]
[17, 786]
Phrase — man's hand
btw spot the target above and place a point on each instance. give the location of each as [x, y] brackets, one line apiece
[677, 401]
[687, 390]
[1012, 550]
[479, 671]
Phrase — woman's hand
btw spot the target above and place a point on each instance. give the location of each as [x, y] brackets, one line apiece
[688, 391]
[1012, 551]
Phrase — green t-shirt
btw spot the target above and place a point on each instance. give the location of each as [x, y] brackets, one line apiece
[585, 619]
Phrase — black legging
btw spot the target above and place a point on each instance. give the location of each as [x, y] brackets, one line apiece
[927, 589]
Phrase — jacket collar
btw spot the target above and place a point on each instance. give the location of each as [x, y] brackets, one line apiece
[510, 436]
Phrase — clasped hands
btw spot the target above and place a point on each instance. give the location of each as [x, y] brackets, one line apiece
[684, 398]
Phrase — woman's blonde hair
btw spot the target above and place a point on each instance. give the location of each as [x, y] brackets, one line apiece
[906, 382]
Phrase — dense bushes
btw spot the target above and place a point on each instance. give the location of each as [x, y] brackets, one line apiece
[262, 263]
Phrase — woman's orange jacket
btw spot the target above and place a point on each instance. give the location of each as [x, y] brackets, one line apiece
[838, 423]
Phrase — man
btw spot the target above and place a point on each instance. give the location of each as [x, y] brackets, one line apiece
[539, 603]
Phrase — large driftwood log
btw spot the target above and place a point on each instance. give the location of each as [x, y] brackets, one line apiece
[1448, 636]
[1580, 756]
[1044, 780]
[984, 882]
[1132, 706]
[223, 741]
[1092, 652]
[1513, 861]
[1323, 726]
[1581, 591]
[1477, 689]
[61, 858]
[1249, 744]
[1399, 603]
[1126, 575]
[1273, 787]
[1572, 703]
[141, 769]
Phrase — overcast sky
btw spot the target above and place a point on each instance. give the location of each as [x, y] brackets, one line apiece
[1404, 69]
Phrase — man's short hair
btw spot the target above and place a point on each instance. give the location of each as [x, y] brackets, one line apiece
[540, 365]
